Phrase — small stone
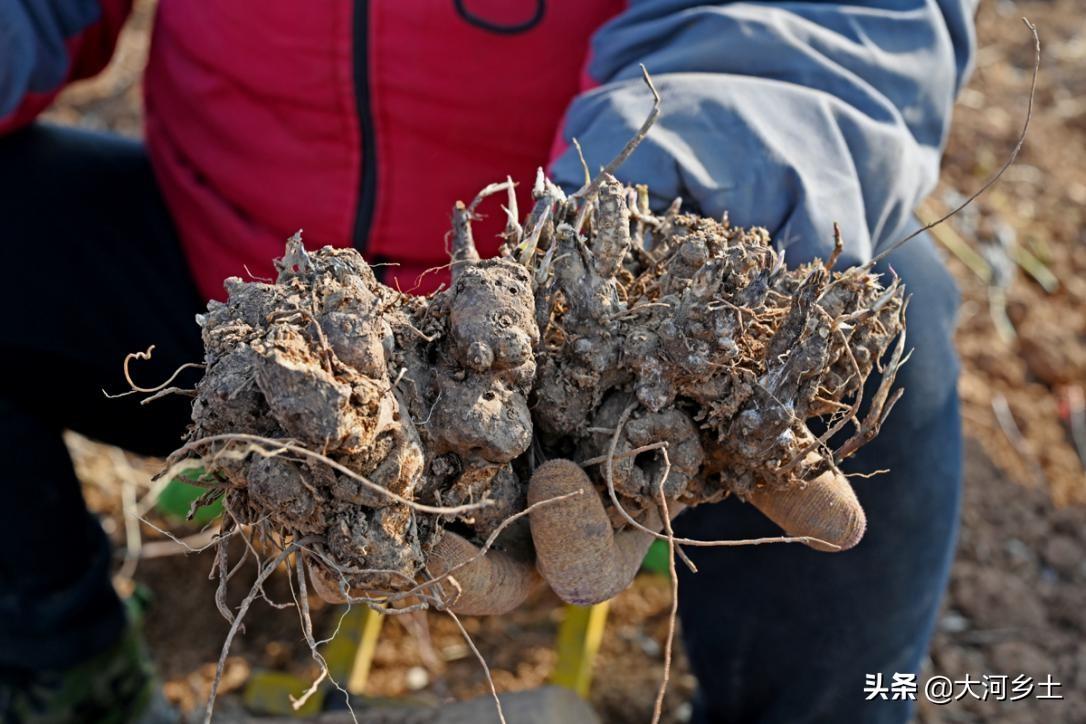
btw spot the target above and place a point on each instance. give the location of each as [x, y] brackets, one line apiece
[953, 622]
[417, 678]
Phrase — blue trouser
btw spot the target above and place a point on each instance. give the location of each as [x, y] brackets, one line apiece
[784, 634]
[774, 633]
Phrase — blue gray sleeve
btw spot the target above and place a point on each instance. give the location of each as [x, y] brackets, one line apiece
[789, 115]
[34, 53]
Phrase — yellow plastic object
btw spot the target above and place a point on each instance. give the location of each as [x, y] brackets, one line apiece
[269, 692]
[349, 657]
[579, 639]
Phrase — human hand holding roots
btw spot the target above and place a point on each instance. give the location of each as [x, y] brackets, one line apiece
[663, 361]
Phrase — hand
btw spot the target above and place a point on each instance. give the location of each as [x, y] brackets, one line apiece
[585, 562]
[581, 557]
[825, 509]
[578, 553]
[493, 583]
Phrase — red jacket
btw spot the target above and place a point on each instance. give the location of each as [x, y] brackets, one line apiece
[363, 122]
[359, 122]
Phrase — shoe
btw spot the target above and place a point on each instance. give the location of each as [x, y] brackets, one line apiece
[117, 686]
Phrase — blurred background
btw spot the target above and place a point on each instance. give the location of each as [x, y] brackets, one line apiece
[1017, 600]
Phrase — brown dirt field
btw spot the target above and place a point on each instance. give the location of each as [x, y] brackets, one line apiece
[1017, 601]
[1039, 206]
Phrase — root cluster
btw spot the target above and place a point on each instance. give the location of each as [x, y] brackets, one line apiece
[364, 421]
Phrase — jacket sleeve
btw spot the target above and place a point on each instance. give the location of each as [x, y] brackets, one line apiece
[45, 44]
[789, 115]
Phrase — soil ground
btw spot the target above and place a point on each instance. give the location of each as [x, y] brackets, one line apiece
[1017, 601]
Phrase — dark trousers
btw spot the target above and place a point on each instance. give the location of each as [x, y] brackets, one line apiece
[92, 270]
[774, 633]
[783, 634]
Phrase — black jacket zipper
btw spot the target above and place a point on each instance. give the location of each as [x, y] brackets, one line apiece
[368, 172]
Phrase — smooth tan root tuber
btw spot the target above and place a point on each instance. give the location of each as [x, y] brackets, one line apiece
[576, 548]
[825, 508]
